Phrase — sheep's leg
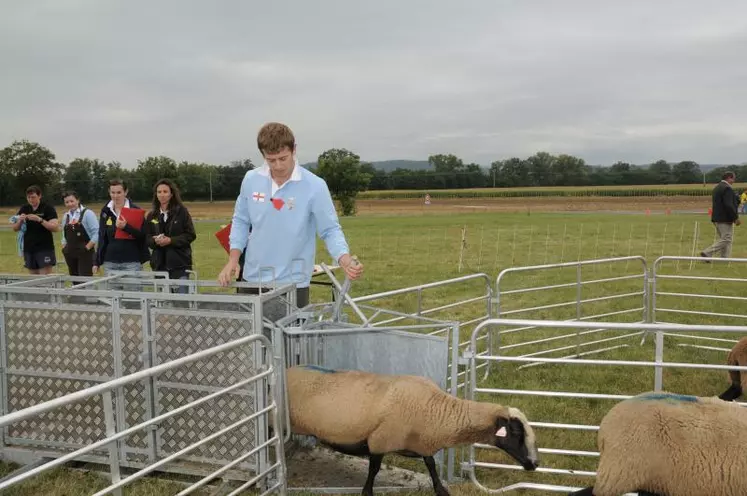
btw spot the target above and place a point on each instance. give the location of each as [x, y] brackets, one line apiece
[437, 485]
[589, 491]
[374, 464]
[734, 392]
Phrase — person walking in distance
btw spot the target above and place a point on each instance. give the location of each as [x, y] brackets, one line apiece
[285, 206]
[80, 233]
[41, 221]
[724, 215]
[169, 233]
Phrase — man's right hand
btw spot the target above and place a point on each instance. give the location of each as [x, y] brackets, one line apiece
[229, 273]
[738, 222]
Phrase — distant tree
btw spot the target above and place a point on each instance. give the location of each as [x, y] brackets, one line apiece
[513, 173]
[446, 163]
[541, 165]
[151, 170]
[687, 172]
[661, 172]
[79, 176]
[99, 188]
[24, 163]
[569, 171]
[342, 171]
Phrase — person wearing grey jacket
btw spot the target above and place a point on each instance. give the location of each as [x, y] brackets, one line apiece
[724, 215]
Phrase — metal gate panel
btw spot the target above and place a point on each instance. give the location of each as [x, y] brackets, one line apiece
[177, 333]
[51, 351]
[388, 352]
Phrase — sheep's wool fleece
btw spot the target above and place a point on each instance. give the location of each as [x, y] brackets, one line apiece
[673, 444]
[389, 412]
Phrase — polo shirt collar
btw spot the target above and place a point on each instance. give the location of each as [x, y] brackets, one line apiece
[264, 170]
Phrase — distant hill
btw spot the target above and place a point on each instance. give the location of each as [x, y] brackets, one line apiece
[389, 165]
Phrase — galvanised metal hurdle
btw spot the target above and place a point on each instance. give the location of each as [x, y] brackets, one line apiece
[565, 392]
[566, 301]
[267, 472]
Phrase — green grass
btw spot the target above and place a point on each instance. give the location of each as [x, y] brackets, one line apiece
[404, 251]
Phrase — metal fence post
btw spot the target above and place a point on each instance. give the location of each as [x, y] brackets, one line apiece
[111, 430]
[3, 369]
[451, 454]
[578, 307]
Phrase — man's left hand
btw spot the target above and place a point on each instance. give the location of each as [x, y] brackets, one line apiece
[352, 267]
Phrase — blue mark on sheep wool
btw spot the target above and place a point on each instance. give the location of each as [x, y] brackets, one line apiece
[319, 369]
[684, 398]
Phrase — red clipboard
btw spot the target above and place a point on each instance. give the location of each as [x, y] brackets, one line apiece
[223, 236]
[134, 217]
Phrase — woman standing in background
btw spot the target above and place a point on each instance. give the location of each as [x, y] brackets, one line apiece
[170, 232]
[80, 233]
[119, 254]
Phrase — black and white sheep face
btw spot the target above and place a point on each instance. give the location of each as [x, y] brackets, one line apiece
[515, 436]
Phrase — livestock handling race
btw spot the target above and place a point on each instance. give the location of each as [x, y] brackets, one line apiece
[606, 360]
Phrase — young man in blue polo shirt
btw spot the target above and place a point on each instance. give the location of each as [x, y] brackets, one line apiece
[286, 207]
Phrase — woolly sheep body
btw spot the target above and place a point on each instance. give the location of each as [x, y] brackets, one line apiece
[737, 356]
[672, 444]
[376, 414]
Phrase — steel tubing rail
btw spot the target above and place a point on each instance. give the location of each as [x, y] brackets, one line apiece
[411, 289]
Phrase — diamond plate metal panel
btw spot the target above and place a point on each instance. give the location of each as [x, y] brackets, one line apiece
[180, 333]
[59, 340]
[195, 424]
[74, 425]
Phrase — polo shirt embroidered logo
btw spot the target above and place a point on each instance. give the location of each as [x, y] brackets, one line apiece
[277, 203]
[258, 197]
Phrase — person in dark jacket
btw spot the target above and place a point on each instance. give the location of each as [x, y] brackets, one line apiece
[119, 254]
[724, 215]
[169, 233]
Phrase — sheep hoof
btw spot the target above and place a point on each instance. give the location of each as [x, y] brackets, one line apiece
[441, 491]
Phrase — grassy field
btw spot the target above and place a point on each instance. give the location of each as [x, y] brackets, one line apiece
[405, 250]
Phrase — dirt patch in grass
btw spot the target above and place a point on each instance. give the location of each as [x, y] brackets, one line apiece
[321, 467]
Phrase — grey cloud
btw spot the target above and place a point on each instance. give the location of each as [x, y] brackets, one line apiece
[485, 80]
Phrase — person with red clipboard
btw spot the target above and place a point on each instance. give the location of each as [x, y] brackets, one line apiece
[121, 244]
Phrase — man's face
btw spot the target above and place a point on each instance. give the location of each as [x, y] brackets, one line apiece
[33, 199]
[281, 163]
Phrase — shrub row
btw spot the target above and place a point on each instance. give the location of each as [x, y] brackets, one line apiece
[528, 193]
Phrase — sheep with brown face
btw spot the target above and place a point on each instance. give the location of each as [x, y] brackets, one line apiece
[366, 414]
[737, 356]
[671, 445]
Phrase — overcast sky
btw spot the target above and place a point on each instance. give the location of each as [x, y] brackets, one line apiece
[389, 79]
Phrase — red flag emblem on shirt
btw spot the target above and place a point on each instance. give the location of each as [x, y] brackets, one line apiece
[277, 203]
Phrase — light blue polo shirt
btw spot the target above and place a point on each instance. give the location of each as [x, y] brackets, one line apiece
[284, 223]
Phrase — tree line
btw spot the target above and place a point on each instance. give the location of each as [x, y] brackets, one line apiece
[24, 162]
[543, 169]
